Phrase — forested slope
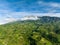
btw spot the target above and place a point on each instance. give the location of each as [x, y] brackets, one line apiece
[44, 31]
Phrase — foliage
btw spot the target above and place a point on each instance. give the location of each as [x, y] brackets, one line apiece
[38, 32]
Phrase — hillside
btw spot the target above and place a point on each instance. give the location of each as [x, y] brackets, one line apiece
[43, 31]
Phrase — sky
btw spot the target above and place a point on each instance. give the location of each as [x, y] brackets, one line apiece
[11, 10]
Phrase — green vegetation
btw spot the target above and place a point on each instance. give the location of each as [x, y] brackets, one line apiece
[45, 31]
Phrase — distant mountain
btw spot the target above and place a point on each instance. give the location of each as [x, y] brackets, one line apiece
[49, 19]
[42, 19]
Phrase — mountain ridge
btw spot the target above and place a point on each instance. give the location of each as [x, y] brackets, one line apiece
[40, 18]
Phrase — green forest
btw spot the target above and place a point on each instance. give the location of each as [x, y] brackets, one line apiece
[44, 31]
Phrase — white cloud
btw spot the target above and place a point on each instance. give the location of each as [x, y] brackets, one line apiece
[7, 20]
[22, 14]
[51, 7]
[53, 4]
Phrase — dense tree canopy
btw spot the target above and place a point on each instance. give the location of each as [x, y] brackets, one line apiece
[45, 31]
